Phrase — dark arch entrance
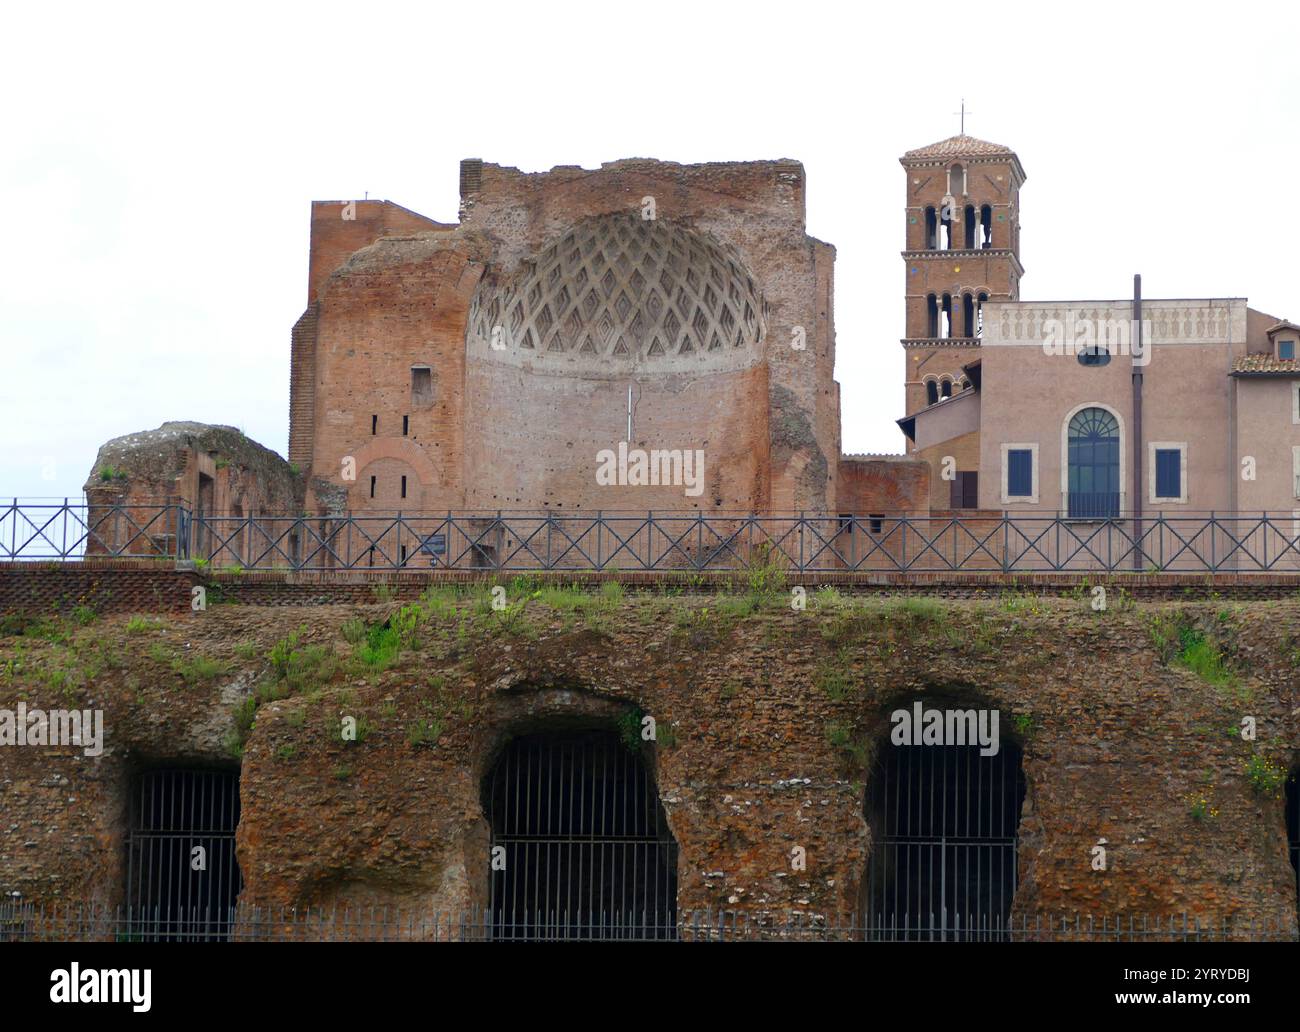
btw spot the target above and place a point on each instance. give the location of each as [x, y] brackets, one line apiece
[587, 853]
[174, 893]
[943, 824]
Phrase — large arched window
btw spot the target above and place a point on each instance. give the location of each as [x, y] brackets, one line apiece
[1094, 469]
[580, 845]
[944, 823]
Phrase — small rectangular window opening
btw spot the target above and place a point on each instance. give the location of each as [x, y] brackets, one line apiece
[1020, 473]
[421, 387]
[372, 487]
[403, 487]
[374, 425]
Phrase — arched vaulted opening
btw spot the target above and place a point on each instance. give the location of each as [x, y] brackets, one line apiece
[183, 879]
[944, 822]
[580, 846]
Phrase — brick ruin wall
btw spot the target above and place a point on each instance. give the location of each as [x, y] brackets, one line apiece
[1115, 741]
[502, 432]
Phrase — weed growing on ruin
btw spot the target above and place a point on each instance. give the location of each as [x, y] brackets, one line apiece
[243, 718]
[142, 624]
[24, 625]
[1266, 777]
[1180, 643]
[847, 626]
[919, 610]
[765, 575]
[1201, 808]
[198, 669]
[286, 752]
[840, 737]
[1023, 723]
[828, 597]
[296, 666]
[629, 728]
[334, 728]
[834, 677]
[424, 733]
[1023, 602]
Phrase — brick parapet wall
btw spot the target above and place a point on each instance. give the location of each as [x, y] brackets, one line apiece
[128, 586]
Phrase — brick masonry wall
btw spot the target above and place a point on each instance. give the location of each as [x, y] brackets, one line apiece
[109, 586]
[1115, 743]
[131, 586]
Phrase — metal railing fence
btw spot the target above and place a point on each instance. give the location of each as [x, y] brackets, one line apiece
[86, 922]
[655, 541]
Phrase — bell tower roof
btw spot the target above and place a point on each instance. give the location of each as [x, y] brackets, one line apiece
[961, 146]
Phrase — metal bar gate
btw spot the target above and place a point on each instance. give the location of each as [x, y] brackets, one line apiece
[943, 860]
[182, 876]
[580, 846]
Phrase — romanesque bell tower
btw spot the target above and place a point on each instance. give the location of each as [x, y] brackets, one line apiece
[963, 248]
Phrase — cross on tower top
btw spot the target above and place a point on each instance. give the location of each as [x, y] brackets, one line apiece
[963, 113]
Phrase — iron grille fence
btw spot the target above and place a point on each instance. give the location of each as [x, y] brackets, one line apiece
[580, 846]
[88, 922]
[659, 541]
[943, 820]
[182, 874]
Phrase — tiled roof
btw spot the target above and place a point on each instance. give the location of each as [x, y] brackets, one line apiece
[958, 146]
[1265, 365]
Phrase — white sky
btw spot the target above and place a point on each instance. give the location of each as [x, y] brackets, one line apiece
[157, 166]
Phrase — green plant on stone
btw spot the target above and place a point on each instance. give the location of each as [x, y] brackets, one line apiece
[665, 735]
[197, 669]
[840, 736]
[834, 677]
[1266, 777]
[243, 719]
[629, 728]
[424, 732]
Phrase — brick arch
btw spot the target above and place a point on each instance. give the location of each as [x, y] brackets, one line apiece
[403, 449]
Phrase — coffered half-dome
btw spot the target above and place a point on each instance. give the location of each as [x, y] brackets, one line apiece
[619, 291]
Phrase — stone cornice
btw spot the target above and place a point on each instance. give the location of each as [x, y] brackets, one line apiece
[940, 342]
[996, 252]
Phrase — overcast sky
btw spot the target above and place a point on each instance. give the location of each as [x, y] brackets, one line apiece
[157, 166]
